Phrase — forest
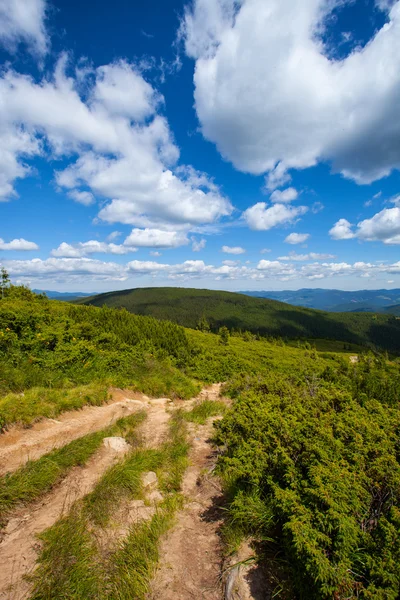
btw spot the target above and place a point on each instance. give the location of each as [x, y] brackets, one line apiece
[209, 309]
[308, 451]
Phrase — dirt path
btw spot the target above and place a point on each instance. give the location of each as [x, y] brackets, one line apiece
[19, 546]
[18, 445]
[191, 554]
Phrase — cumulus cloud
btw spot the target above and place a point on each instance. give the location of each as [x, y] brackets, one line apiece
[261, 217]
[126, 155]
[342, 230]
[284, 196]
[383, 227]
[91, 247]
[72, 269]
[233, 250]
[306, 257]
[297, 238]
[24, 21]
[268, 95]
[156, 238]
[18, 244]
[85, 198]
[66, 269]
[198, 245]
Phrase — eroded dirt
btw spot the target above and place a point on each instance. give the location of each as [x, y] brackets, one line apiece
[19, 445]
[190, 565]
[19, 546]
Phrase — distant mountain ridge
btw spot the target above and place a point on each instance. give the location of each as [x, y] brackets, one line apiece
[62, 295]
[335, 300]
[198, 308]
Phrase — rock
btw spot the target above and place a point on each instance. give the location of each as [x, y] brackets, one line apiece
[117, 444]
[149, 479]
[155, 497]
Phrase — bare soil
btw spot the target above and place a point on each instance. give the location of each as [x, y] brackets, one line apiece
[19, 445]
[191, 553]
[19, 545]
[191, 567]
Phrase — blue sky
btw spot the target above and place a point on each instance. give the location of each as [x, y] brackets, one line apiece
[220, 144]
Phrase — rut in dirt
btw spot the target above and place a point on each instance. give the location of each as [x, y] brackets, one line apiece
[19, 546]
[191, 553]
[18, 445]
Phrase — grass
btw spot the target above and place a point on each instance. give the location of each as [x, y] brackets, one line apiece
[204, 410]
[37, 477]
[71, 565]
[36, 403]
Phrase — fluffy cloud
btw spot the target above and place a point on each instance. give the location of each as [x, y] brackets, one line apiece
[18, 244]
[156, 238]
[261, 218]
[306, 257]
[198, 245]
[287, 195]
[91, 247]
[72, 269]
[268, 95]
[23, 20]
[297, 238]
[382, 227]
[66, 269]
[85, 198]
[233, 250]
[341, 230]
[125, 150]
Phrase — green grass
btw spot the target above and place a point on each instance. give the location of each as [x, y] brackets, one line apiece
[72, 566]
[204, 410]
[36, 403]
[37, 477]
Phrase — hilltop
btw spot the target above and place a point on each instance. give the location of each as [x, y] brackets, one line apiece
[201, 308]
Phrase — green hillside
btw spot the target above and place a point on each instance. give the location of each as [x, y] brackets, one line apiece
[308, 449]
[191, 308]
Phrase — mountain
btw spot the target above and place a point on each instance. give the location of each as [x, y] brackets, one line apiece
[258, 315]
[393, 310]
[67, 296]
[335, 300]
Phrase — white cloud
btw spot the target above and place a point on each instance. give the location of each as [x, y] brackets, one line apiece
[383, 227]
[72, 269]
[284, 196]
[233, 250]
[156, 238]
[122, 91]
[342, 230]
[306, 257]
[125, 151]
[91, 247]
[269, 97]
[155, 253]
[297, 238]
[265, 251]
[261, 218]
[24, 20]
[113, 236]
[18, 244]
[198, 245]
[85, 198]
[66, 269]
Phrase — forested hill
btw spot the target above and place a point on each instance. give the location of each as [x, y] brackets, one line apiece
[202, 308]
